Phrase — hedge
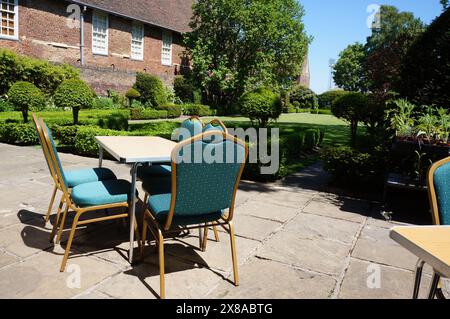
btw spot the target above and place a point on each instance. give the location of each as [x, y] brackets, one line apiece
[18, 134]
[147, 114]
[173, 110]
[197, 109]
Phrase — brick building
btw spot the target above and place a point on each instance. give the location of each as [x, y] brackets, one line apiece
[109, 40]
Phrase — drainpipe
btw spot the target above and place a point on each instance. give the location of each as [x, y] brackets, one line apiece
[82, 35]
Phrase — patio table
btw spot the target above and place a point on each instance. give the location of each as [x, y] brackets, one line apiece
[432, 245]
[137, 151]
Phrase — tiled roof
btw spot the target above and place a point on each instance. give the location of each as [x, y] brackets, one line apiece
[169, 14]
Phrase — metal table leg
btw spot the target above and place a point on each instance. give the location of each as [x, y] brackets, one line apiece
[434, 284]
[100, 157]
[132, 209]
[418, 278]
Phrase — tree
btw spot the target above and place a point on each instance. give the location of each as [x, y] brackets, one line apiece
[238, 45]
[425, 76]
[261, 106]
[352, 108]
[349, 73]
[326, 99]
[387, 46]
[445, 3]
[25, 96]
[151, 89]
[74, 94]
[303, 97]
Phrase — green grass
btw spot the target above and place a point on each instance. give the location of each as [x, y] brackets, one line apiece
[51, 115]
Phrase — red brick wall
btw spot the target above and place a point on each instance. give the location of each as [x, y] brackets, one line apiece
[43, 29]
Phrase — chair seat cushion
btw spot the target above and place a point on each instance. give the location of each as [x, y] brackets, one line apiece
[148, 172]
[157, 185]
[101, 193]
[159, 206]
[88, 175]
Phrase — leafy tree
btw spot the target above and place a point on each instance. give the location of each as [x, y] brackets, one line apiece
[387, 46]
[238, 45]
[352, 108]
[74, 94]
[25, 96]
[261, 106]
[425, 76]
[303, 97]
[151, 89]
[445, 3]
[326, 99]
[349, 72]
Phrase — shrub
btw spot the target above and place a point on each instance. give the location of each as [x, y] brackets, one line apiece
[151, 89]
[261, 106]
[103, 103]
[173, 110]
[132, 94]
[351, 168]
[115, 121]
[25, 96]
[65, 134]
[351, 107]
[197, 110]
[18, 134]
[143, 114]
[47, 77]
[85, 143]
[326, 99]
[74, 94]
[186, 91]
[303, 98]
[5, 106]
[312, 138]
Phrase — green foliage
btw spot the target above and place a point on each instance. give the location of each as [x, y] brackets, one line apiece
[151, 89]
[74, 94]
[85, 143]
[47, 77]
[132, 94]
[65, 134]
[312, 138]
[103, 103]
[185, 90]
[25, 96]
[116, 121]
[351, 107]
[196, 109]
[238, 45]
[5, 106]
[173, 110]
[18, 134]
[425, 76]
[303, 98]
[351, 168]
[349, 72]
[261, 106]
[326, 99]
[401, 118]
[147, 114]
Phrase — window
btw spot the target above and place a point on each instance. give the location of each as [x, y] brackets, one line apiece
[166, 55]
[9, 9]
[137, 41]
[100, 33]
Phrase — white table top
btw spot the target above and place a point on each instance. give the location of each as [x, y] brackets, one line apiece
[430, 243]
[137, 149]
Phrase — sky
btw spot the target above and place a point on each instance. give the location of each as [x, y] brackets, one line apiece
[334, 24]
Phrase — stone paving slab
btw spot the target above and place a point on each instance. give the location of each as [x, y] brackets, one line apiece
[350, 210]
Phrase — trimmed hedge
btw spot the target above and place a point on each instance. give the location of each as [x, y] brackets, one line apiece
[116, 121]
[84, 139]
[18, 134]
[173, 110]
[197, 110]
[147, 114]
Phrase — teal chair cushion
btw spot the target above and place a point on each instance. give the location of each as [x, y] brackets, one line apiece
[101, 193]
[147, 172]
[442, 186]
[159, 206]
[88, 175]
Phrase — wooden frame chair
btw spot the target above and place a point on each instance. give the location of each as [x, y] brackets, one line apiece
[161, 222]
[116, 190]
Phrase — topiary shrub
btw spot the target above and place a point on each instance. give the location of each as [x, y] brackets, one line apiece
[173, 110]
[261, 106]
[151, 89]
[132, 94]
[25, 96]
[326, 99]
[353, 108]
[18, 134]
[74, 94]
[143, 114]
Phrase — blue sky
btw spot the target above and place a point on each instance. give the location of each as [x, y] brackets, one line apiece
[334, 24]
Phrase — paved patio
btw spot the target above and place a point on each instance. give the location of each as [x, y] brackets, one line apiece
[293, 241]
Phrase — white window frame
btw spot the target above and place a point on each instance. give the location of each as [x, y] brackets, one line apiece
[137, 56]
[168, 36]
[95, 50]
[16, 20]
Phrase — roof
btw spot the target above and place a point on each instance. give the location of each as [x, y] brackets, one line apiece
[168, 14]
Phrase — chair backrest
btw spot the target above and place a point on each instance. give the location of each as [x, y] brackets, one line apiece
[439, 191]
[192, 127]
[215, 125]
[48, 160]
[207, 183]
[55, 161]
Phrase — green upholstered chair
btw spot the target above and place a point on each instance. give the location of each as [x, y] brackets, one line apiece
[86, 197]
[73, 177]
[202, 193]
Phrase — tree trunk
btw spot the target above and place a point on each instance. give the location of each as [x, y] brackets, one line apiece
[25, 115]
[354, 128]
[75, 111]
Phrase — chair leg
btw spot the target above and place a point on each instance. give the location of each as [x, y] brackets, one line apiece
[205, 237]
[162, 288]
[61, 226]
[69, 243]
[216, 233]
[233, 254]
[434, 284]
[50, 205]
[144, 236]
[58, 215]
[418, 278]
